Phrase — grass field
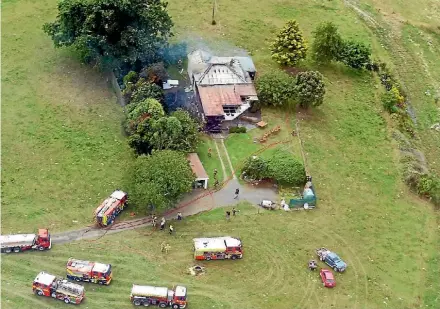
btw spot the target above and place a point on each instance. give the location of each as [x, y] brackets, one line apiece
[389, 237]
[63, 150]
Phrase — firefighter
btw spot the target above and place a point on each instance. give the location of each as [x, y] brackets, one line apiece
[162, 247]
[216, 183]
[228, 215]
[162, 224]
[167, 248]
[154, 221]
[171, 229]
[237, 191]
[179, 216]
[234, 211]
[215, 173]
[209, 152]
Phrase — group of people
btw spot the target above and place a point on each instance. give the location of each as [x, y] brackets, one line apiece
[163, 222]
[228, 213]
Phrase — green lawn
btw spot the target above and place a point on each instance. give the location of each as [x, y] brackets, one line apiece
[210, 163]
[63, 150]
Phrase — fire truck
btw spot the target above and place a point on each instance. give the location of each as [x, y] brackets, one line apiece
[89, 271]
[106, 213]
[143, 295]
[22, 242]
[51, 286]
[217, 248]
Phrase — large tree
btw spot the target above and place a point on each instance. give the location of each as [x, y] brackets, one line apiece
[276, 88]
[289, 46]
[327, 43]
[310, 88]
[112, 33]
[159, 179]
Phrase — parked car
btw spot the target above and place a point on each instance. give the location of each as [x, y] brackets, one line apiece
[328, 280]
[331, 259]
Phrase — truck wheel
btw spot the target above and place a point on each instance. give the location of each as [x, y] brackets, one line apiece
[335, 269]
[136, 302]
[77, 279]
[176, 306]
[17, 249]
[66, 300]
[8, 250]
[233, 257]
[54, 295]
[146, 304]
[41, 248]
[101, 282]
[162, 305]
[208, 258]
[40, 293]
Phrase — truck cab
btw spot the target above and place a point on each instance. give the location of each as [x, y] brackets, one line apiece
[179, 297]
[42, 241]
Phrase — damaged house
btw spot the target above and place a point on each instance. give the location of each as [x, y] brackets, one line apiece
[223, 86]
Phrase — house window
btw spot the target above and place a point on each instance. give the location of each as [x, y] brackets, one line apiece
[230, 110]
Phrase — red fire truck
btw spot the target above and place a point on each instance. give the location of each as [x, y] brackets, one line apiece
[89, 271]
[217, 248]
[106, 213]
[22, 242]
[51, 286]
[159, 296]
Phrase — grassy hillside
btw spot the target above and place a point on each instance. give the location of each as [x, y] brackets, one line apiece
[273, 273]
[62, 145]
[389, 237]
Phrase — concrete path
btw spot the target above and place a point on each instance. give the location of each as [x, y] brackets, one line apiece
[198, 201]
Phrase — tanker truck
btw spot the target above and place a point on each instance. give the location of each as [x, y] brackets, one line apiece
[22, 242]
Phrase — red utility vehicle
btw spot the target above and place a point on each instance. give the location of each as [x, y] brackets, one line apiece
[328, 280]
[143, 295]
[106, 213]
[51, 286]
[217, 248]
[79, 270]
[22, 242]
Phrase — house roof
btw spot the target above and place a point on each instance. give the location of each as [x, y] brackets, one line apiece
[197, 166]
[213, 98]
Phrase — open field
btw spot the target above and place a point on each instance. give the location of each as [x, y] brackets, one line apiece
[62, 145]
[389, 237]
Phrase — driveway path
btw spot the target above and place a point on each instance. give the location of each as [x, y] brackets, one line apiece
[198, 201]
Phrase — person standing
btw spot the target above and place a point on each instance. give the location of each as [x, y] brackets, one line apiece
[171, 229]
[234, 211]
[162, 224]
[179, 216]
[154, 221]
[237, 191]
[209, 152]
[228, 215]
[215, 173]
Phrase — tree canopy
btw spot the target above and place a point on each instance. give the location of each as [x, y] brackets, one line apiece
[286, 169]
[327, 43]
[354, 54]
[310, 89]
[159, 179]
[289, 46]
[275, 88]
[112, 33]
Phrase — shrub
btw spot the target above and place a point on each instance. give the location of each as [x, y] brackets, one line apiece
[143, 90]
[429, 186]
[276, 88]
[286, 169]
[237, 130]
[354, 54]
[310, 89]
[327, 43]
[130, 78]
[391, 100]
[289, 46]
[255, 168]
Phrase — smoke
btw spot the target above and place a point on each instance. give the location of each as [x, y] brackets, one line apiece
[221, 48]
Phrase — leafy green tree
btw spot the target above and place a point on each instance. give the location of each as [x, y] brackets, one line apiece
[276, 88]
[255, 168]
[131, 78]
[289, 46]
[112, 33]
[144, 89]
[354, 54]
[286, 169]
[327, 43]
[310, 88]
[150, 107]
[159, 179]
[190, 131]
